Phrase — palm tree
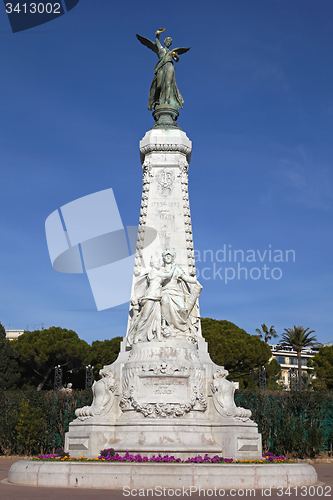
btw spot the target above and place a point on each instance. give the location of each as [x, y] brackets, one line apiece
[306, 381]
[298, 338]
[267, 334]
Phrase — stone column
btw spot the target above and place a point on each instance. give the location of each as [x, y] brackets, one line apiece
[165, 157]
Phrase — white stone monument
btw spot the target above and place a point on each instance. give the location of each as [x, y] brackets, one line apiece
[164, 394]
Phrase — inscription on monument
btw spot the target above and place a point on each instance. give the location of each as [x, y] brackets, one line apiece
[163, 389]
[171, 204]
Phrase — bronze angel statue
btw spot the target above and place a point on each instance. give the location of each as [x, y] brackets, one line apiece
[163, 89]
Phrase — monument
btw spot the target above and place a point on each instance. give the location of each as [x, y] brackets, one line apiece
[164, 394]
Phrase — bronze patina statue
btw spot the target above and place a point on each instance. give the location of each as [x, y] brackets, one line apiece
[163, 90]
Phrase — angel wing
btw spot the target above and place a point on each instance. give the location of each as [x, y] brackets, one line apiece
[179, 50]
[148, 43]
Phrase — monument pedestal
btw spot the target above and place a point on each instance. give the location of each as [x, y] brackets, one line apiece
[166, 405]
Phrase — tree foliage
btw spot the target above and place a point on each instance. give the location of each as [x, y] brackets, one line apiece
[9, 368]
[298, 338]
[104, 352]
[42, 350]
[273, 370]
[322, 363]
[240, 353]
[266, 333]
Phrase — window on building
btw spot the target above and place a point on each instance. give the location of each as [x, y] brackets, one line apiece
[280, 360]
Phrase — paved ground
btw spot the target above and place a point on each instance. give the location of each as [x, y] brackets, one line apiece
[12, 492]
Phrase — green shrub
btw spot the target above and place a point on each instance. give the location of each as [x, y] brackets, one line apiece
[30, 428]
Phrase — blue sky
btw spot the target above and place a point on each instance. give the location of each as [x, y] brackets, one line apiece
[257, 85]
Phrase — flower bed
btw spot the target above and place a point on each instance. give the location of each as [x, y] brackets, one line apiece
[268, 458]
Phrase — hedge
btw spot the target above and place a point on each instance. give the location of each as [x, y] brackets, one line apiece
[36, 422]
[293, 423]
[296, 424]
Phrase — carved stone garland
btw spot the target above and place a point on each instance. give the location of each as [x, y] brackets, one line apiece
[147, 177]
[183, 168]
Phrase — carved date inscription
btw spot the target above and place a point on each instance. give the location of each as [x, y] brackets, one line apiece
[163, 389]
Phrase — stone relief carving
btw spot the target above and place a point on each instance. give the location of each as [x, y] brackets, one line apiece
[161, 351]
[165, 181]
[164, 369]
[146, 319]
[183, 169]
[163, 304]
[165, 147]
[132, 399]
[164, 409]
[103, 396]
[147, 177]
[223, 397]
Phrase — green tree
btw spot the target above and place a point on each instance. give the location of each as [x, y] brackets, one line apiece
[240, 353]
[42, 350]
[104, 352]
[267, 334]
[322, 363]
[9, 368]
[273, 371]
[298, 338]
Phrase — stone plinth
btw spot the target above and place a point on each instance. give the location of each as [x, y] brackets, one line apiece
[158, 476]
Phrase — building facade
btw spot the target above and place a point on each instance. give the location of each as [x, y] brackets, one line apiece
[287, 359]
[13, 334]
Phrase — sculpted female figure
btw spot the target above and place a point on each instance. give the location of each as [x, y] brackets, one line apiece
[146, 325]
[223, 391]
[177, 302]
[103, 396]
[163, 90]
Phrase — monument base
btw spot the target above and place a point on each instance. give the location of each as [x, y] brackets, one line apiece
[172, 477]
[169, 403]
[182, 439]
